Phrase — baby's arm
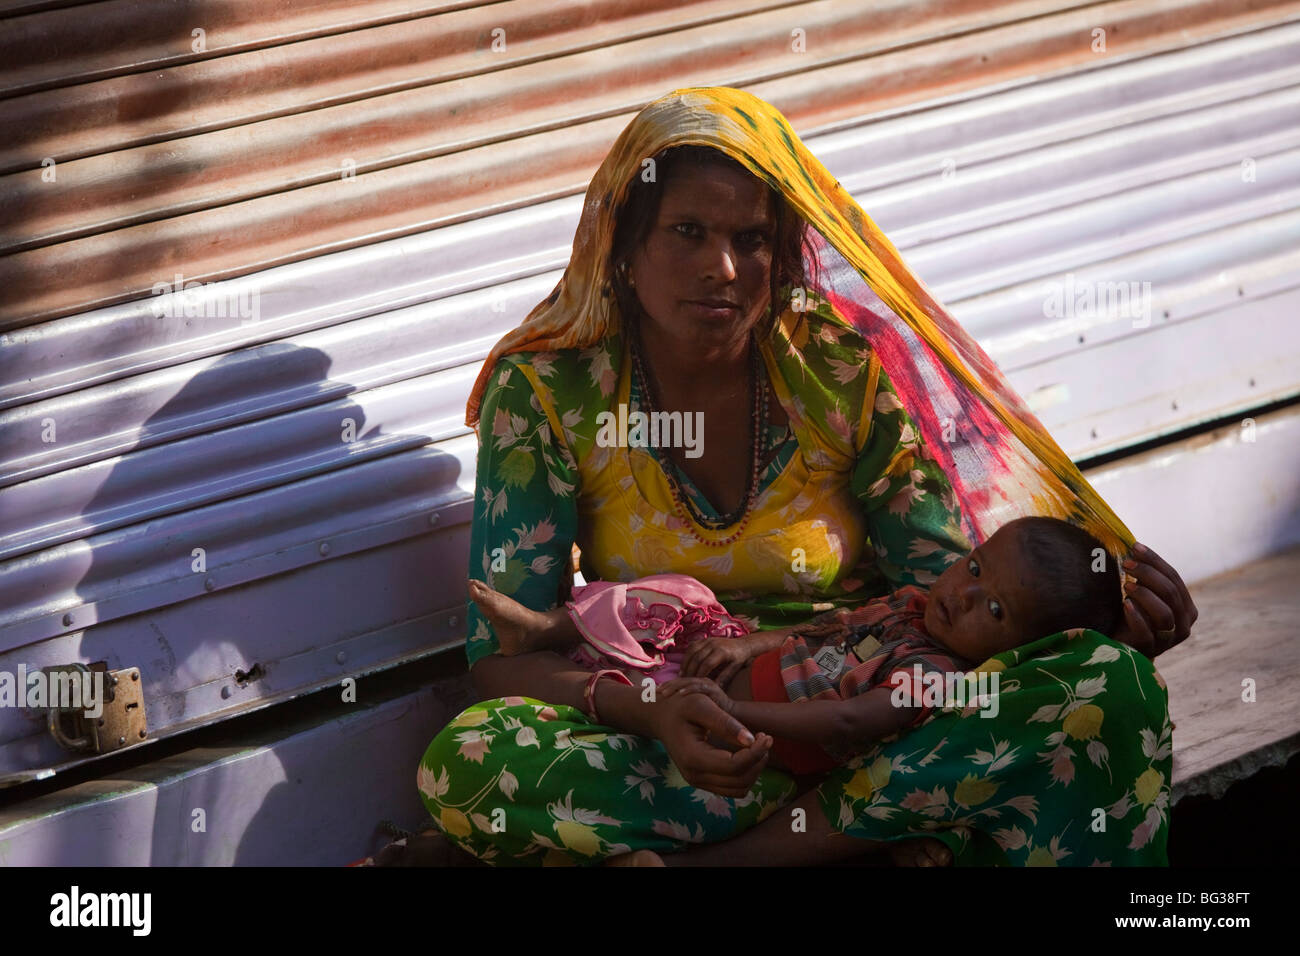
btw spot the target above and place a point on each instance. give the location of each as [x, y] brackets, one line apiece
[722, 657]
[842, 724]
[845, 725]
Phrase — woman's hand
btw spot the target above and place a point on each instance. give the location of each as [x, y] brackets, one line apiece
[697, 685]
[684, 722]
[1158, 609]
[723, 655]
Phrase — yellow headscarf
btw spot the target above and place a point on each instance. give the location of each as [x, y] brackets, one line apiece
[579, 313]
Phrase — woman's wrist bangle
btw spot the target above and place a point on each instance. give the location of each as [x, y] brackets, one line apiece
[589, 695]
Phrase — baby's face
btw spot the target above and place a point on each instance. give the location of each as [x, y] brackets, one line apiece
[980, 606]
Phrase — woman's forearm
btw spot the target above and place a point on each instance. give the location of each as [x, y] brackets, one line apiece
[622, 706]
[549, 677]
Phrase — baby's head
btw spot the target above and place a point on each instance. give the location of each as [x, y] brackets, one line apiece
[1032, 578]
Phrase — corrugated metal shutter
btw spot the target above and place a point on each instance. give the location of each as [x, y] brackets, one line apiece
[383, 192]
[235, 158]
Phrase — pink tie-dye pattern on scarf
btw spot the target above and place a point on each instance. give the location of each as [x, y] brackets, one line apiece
[975, 450]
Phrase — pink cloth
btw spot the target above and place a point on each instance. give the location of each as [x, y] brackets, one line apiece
[643, 628]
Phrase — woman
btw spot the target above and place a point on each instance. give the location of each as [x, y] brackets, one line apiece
[794, 481]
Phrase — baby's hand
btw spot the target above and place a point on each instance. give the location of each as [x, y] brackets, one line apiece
[697, 685]
[716, 657]
[829, 626]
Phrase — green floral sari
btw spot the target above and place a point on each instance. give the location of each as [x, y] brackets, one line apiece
[522, 782]
[1073, 770]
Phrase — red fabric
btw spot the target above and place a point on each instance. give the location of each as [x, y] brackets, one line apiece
[765, 685]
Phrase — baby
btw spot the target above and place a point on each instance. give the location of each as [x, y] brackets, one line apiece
[851, 671]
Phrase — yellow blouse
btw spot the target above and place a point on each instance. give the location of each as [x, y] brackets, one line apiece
[861, 476]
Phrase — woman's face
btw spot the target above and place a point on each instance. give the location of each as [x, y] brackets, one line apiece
[702, 272]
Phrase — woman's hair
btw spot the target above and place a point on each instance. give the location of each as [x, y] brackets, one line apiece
[636, 217]
[1064, 555]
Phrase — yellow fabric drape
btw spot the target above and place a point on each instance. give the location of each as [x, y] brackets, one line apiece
[580, 311]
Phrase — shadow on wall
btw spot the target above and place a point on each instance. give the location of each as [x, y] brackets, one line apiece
[191, 650]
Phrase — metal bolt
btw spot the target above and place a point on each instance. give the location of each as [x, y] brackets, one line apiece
[340, 657]
[143, 734]
[113, 678]
[453, 621]
[209, 584]
[433, 519]
[135, 675]
[324, 548]
[121, 741]
[225, 693]
[67, 620]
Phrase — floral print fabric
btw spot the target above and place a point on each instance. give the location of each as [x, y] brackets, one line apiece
[1074, 770]
[859, 509]
[518, 781]
[580, 795]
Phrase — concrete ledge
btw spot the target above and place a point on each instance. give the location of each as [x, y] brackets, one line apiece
[1246, 631]
[308, 792]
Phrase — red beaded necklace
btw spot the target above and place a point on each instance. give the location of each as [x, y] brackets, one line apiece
[682, 504]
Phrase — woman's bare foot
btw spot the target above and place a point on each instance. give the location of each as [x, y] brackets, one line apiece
[636, 858]
[519, 629]
[923, 851]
